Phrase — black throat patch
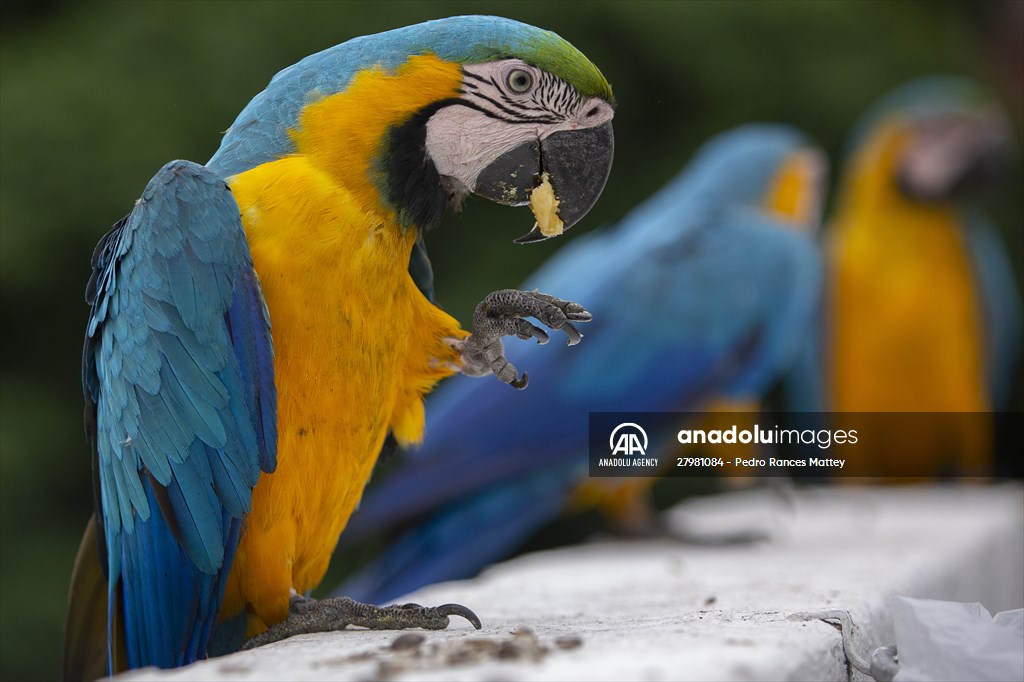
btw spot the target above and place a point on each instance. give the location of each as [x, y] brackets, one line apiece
[409, 180]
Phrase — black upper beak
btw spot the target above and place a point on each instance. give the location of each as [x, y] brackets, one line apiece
[577, 163]
[986, 168]
[963, 156]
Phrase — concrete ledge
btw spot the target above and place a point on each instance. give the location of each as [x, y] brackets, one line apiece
[662, 610]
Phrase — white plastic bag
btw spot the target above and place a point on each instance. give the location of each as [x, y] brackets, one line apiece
[942, 640]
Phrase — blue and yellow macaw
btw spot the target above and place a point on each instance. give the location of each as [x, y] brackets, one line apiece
[704, 291]
[921, 311]
[262, 324]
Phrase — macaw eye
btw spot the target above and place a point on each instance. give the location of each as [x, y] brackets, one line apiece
[519, 81]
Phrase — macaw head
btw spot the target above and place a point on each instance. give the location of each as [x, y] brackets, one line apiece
[428, 114]
[765, 167]
[515, 124]
[936, 138]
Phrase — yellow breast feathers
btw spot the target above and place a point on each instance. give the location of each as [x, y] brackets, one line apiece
[357, 345]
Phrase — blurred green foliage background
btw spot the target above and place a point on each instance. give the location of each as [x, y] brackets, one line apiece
[96, 96]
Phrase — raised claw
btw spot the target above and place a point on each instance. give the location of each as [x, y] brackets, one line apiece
[573, 333]
[501, 314]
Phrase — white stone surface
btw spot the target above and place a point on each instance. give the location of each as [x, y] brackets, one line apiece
[663, 610]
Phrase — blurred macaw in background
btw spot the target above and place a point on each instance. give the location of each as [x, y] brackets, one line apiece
[228, 457]
[921, 311]
[704, 291]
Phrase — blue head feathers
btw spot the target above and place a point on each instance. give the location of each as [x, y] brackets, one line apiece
[260, 133]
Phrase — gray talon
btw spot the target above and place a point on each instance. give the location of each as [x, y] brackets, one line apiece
[459, 610]
[501, 314]
[573, 334]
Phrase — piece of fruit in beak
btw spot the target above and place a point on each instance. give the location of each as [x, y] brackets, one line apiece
[544, 205]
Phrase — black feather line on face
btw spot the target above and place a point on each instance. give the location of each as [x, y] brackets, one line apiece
[411, 183]
[515, 113]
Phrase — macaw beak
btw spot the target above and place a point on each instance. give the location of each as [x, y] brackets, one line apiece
[954, 156]
[577, 163]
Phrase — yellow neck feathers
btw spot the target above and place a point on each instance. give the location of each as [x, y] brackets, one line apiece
[343, 134]
[793, 196]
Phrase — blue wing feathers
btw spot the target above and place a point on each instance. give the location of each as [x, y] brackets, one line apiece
[197, 509]
[178, 363]
[156, 572]
[255, 354]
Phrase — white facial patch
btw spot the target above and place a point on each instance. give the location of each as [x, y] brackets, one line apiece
[939, 149]
[495, 117]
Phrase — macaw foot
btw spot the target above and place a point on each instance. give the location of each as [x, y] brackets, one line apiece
[501, 314]
[327, 615]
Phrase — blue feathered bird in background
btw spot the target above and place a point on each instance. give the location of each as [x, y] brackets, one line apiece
[702, 292]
